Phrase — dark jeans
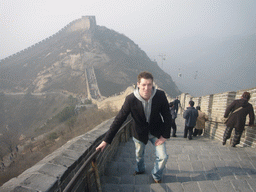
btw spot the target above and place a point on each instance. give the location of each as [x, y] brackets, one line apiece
[174, 128]
[236, 138]
[197, 132]
[188, 131]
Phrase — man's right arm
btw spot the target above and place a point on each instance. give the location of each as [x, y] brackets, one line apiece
[102, 146]
[115, 126]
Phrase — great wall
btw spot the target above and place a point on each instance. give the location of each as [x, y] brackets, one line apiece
[63, 162]
[58, 168]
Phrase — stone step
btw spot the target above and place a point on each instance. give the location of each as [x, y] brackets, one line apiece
[202, 186]
[192, 186]
[200, 164]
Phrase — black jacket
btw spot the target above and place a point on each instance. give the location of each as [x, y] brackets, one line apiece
[141, 128]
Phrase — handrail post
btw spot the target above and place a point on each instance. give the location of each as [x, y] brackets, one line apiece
[96, 175]
[94, 169]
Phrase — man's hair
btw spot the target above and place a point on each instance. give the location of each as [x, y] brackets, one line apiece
[145, 75]
[246, 95]
[198, 107]
[191, 103]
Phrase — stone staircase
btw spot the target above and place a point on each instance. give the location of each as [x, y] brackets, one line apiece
[194, 165]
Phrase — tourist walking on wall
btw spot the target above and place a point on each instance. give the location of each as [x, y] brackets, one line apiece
[174, 116]
[200, 122]
[176, 103]
[149, 109]
[238, 118]
[190, 115]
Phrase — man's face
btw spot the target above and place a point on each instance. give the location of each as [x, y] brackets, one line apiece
[145, 88]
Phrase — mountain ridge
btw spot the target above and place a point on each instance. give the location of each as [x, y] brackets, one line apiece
[59, 62]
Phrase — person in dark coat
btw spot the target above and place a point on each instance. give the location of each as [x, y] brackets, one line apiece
[237, 119]
[190, 115]
[174, 116]
[149, 109]
[176, 104]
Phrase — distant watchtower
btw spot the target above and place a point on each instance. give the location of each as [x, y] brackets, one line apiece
[84, 23]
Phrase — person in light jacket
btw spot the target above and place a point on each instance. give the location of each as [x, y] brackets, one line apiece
[190, 115]
[149, 109]
[237, 119]
[200, 122]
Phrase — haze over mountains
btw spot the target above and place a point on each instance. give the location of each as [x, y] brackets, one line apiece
[199, 65]
[58, 64]
[212, 65]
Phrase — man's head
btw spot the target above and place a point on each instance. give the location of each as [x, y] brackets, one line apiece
[246, 95]
[145, 84]
[145, 75]
[191, 103]
[198, 107]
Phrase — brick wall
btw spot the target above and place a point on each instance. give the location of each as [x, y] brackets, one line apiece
[215, 105]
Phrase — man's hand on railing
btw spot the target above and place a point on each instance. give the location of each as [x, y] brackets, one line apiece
[101, 146]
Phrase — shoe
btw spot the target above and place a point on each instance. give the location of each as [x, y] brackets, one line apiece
[158, 181]
[189, 138]
[224, 142]
[138, 173]
[233, 145]
[174, 136]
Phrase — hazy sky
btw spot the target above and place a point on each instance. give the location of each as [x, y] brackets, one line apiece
[146, 22]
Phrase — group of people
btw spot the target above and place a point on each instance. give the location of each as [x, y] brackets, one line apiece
[152, 121]
[194, 119]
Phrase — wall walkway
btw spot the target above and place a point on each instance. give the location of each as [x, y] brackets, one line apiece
[198, 165]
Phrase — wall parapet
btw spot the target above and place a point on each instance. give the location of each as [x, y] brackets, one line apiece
[214, 106]
[57, 169]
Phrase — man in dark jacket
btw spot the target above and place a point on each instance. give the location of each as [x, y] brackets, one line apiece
[176, 104]
[237, 119]
[151, 122]
[190, 115]
[174, 116]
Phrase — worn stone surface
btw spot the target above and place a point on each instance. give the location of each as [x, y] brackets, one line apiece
[200, 164]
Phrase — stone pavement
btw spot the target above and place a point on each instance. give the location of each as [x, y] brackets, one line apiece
[194, 165]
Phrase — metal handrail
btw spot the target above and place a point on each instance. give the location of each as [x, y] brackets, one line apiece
[80, 171]
[91, 159]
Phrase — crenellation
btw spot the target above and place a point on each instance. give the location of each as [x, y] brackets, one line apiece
[215, 105]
